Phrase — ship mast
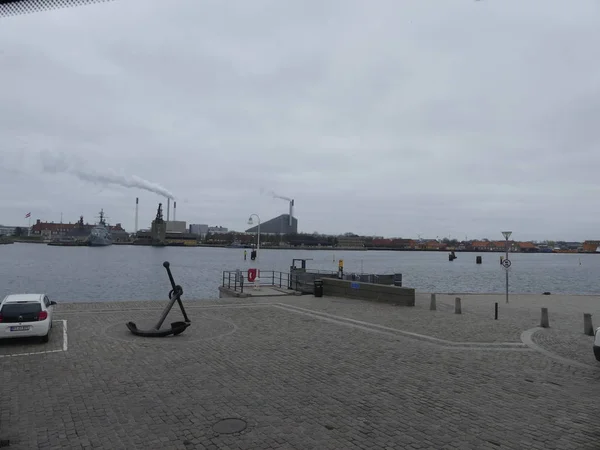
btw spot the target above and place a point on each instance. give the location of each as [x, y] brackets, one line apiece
[102, 218]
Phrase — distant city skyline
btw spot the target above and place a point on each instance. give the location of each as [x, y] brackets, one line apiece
[244, 228]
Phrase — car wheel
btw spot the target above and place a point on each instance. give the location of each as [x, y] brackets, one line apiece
[46, 338]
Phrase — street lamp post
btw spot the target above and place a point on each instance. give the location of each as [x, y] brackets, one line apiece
[506, 263]
[250, 222]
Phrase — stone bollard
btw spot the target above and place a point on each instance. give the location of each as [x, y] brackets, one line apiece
[457, 308]
[588, 328]
[432, 305]
[545, 322]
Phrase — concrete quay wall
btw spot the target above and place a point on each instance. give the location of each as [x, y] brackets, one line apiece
[368, 291]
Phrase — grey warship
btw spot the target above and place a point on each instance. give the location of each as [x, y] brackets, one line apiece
[100, 235]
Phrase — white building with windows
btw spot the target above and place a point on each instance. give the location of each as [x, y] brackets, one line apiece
[6, 230]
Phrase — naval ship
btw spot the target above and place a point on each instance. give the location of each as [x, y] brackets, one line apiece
[100, 235]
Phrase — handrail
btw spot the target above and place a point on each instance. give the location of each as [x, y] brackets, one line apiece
[235, 280]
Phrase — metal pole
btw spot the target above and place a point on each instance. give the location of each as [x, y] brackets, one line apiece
[258, 238]
[506, 270]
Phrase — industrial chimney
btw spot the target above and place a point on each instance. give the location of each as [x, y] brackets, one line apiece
[174, 210]
[137, 202]
[168, 207]
[291, 212]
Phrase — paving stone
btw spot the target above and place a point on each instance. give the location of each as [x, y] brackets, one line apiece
[302, 379]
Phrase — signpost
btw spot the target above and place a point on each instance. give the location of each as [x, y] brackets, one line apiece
[506, 263]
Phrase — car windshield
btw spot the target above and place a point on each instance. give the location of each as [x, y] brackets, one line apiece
[11, 309]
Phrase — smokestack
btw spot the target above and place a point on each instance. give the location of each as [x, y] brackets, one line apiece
[174, 210]
[137, 201]
[168, 207]
[291, 212]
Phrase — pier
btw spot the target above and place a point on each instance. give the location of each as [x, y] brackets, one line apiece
[305, 372]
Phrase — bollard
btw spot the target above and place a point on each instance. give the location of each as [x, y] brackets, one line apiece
[588, 328]
[545, 322]
[478, 260]
[432, 306]
[457, 308]
[496, 311]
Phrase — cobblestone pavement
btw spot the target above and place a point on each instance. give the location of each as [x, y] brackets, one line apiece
[567, 344]
[303, 373]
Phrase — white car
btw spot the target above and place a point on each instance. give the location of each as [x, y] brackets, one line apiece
[597, 344]
[26, 315]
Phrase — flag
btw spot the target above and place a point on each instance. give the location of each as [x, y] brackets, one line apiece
[28, 215]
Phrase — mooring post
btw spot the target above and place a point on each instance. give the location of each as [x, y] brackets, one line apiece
[545, 322]
[588, 328]
[457, 308]
[432, 305]
[496, 311]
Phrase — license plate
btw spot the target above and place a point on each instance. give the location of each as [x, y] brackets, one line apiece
[21, 328]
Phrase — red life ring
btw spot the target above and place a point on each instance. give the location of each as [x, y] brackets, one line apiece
[251, 275]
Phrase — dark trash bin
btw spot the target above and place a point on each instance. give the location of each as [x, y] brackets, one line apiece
[318, 288]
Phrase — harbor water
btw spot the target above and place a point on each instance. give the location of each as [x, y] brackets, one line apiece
[117, 273]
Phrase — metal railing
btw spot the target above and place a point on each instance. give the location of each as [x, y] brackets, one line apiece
[301, 281]
[236, 281]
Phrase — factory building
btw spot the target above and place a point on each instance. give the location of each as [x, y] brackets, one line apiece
[166, 233]
[176, 226]
[278, 225]
[198, 229]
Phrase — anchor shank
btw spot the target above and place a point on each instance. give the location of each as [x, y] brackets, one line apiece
[166, 311]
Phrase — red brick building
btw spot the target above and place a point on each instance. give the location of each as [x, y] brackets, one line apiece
[52, 230]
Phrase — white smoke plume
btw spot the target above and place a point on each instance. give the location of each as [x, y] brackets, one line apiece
[59, 163]
[275, 195]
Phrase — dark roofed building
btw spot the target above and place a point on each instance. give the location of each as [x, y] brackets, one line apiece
[278, 225]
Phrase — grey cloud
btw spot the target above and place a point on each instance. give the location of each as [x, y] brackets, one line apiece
[390, 118]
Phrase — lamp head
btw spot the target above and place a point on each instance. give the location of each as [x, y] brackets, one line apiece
[250, 221]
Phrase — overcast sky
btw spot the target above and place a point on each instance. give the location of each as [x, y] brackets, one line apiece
[396, 118]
